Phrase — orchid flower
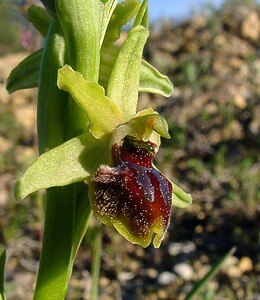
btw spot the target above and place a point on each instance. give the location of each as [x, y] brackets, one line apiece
[93, 143]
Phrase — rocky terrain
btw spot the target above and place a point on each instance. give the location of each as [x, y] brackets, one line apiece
[213, 116]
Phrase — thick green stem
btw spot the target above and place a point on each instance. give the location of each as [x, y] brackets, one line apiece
[67, 211]
[53, 274]
[52, 280]
[67, 217]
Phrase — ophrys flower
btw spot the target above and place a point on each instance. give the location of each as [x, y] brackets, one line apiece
[133, 195]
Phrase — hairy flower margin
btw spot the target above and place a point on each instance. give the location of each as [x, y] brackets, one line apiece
[113, 153]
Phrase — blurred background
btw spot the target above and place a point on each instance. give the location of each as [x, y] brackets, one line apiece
[211, 52]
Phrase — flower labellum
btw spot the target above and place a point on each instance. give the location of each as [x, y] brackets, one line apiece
[133, 195]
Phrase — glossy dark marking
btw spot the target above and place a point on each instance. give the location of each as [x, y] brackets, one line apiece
[164, 187]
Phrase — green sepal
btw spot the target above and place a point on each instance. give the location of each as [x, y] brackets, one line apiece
[26, 74]
[152, 81]
[103, 114]
[73, 161]
[2, 269]
[124, 80]
[40, 19]
[180, 198]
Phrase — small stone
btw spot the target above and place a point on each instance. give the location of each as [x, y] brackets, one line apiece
[233, 272]
[198, 229]
[152, 273]
[250, 27]
[25, 115]
[166, 278]
[4, 197]
[201, 271]
[246, 264]
[235, 130]
[104, 282]
[24, 284]
[235, 62]
[230, 261]
[162, 294]
[24, 154]
[184, 270]
[240, 101]
[202, 215]
[5, 145]
[211, 108]
[254, 127]
[134, 266]
[125, 276]
[231, 267]
[199, 22]
[177, 248]
[191, 47]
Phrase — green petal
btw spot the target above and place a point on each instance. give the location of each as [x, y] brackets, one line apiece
[26, 74]
[122, 14]
[124, 80]
[143, 125]
[70, 162]
[180, 198]
[152, 121]
[103, 114]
